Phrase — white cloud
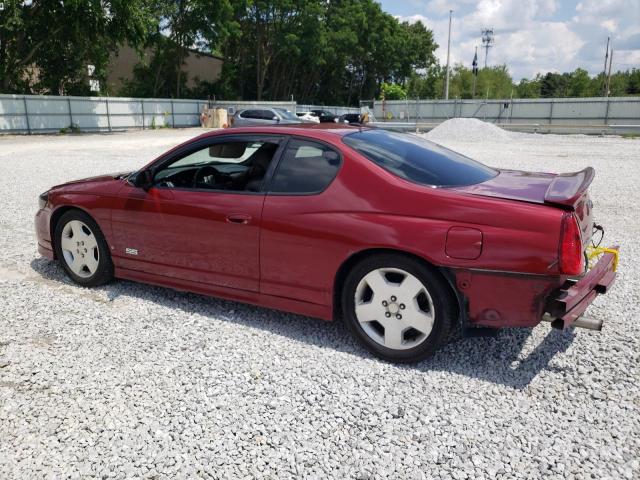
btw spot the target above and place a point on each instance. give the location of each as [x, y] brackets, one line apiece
[529, 38]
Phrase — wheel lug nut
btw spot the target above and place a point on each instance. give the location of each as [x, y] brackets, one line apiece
[402, 306]
[384, 303]
[387, 314]
[393, 299]
[399, 317]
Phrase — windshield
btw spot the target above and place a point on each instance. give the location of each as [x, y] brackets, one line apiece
[417, 159]
[286, 114]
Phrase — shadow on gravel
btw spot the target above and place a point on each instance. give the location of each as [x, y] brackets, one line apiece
[500, 359]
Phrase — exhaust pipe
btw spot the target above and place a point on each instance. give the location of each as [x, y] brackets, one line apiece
[589, 323]
[582, 322]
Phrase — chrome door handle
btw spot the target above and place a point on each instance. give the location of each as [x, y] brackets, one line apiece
[239, 218]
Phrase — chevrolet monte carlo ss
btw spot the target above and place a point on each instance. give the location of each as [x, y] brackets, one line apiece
[408, 242]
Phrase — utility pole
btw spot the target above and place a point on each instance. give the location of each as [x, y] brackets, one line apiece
[487, 42]
[474, 70]
[446, 84]
[609, 76]
[604, 70]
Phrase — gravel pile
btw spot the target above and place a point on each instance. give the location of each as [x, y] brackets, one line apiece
[468, 130]
[130, 380]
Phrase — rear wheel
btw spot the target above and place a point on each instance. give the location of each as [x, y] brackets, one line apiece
[399, 308]
[82, 250]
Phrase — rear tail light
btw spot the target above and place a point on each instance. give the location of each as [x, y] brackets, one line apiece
[570, 250]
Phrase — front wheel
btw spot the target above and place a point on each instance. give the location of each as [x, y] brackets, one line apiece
[82, 249]
[400, 309]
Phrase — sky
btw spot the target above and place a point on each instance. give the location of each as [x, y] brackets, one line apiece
[531, 36]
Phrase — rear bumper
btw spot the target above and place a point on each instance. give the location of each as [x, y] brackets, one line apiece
[569, 303]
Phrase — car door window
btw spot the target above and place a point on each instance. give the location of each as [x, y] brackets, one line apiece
[267, 115]
[256, 114]
[238, 166]
[306, 167]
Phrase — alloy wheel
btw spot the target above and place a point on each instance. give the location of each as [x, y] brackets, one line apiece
[80, 248]
[394, 308]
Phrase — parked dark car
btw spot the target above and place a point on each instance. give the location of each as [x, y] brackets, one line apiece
[264, 116]
[350, 118]
[325, 116]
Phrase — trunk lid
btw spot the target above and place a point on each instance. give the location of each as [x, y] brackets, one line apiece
[568, 191]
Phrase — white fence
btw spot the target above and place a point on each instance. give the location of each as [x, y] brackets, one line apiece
[558, 112]
[42, 114]
[46, 114]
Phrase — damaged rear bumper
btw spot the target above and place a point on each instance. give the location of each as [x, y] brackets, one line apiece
[566, 306]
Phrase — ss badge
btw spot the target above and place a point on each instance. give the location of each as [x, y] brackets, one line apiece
[131, 251]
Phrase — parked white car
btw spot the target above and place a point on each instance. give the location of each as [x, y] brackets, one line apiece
[308, 117]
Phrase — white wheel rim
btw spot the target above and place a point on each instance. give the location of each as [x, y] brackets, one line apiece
[80, 248]
[394, 308]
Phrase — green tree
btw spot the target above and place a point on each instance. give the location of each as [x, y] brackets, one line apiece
[392, 91]
[426, 85]
[529, 88]
[579, 84]
[324, 52]
[189, 24]
[554, 85]
[45, 46]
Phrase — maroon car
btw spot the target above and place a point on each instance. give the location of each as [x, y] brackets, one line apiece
[407, 241]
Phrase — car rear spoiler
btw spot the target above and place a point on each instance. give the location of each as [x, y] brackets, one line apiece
[566, 188]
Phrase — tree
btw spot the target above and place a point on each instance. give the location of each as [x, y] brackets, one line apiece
[426, 85]
[45, 46]
[392, 91]
[324, 52]
[529, 88]
[554, 85]
[579, 84]
[190, 24]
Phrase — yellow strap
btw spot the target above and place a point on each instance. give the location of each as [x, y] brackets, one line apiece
[593, 252]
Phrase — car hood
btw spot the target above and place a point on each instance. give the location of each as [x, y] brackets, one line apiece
[91, 181]
[514, 185]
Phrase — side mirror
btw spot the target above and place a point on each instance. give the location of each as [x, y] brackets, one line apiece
[142, 179]
[276, 119]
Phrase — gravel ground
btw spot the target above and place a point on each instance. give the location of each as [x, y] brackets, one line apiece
[132, 381]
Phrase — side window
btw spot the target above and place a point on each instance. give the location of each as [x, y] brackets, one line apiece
[251, 114]
[237, 166]
[267, 114]
[305, 167]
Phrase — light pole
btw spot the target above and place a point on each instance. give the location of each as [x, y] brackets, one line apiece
[446, 84]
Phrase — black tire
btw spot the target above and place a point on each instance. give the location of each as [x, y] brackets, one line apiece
[104, 271]
[444, 306]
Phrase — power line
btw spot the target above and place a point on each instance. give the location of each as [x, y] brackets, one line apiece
[487, 42]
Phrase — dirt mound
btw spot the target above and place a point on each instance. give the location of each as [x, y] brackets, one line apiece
[467, 129]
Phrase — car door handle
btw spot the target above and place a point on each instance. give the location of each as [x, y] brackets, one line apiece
[239, 218]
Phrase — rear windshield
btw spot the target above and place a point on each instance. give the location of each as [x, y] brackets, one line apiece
[418, 160]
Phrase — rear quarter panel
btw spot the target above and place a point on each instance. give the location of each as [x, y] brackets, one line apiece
[305, 239]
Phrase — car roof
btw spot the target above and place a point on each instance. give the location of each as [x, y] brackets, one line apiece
[317, 130]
